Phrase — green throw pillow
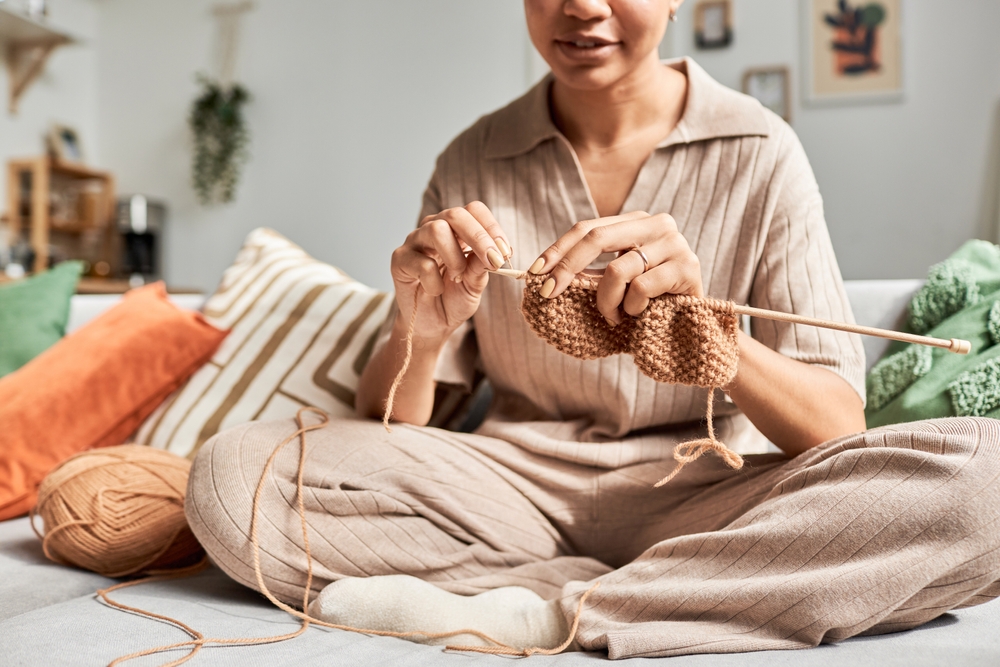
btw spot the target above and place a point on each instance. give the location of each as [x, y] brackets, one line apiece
[33, 314]
[961, 299]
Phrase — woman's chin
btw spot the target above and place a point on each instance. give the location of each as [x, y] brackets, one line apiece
[588, 78]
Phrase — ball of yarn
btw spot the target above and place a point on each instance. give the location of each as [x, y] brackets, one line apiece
[118, 511]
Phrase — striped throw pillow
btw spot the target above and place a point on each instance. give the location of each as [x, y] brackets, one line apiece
[301, 333]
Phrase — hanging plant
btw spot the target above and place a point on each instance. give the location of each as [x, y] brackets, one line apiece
[221, 140]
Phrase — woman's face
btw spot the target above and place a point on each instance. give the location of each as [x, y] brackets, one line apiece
[591, 44]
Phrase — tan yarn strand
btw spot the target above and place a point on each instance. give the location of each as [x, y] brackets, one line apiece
[390, 399]
[306, 619]
[198, 639]
[687, 452]
[104, 593]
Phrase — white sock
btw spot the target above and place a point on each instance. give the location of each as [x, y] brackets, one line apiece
[513, 615]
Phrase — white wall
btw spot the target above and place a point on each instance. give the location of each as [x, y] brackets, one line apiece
[904, 184]
[353, 100]
[352, 103]
[66, 92]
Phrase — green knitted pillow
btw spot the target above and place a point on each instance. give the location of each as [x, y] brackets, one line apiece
[956, 283]
[961, 299]
[893, 374]
[904, 387]
[950, 287]
[993, 322]
[976, 392]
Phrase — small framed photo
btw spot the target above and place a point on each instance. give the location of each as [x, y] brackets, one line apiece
[852, 51]
[713, 24]
[770, 86]
[64, 143]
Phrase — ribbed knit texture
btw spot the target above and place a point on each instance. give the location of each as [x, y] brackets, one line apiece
[876, 532]
[735, 178]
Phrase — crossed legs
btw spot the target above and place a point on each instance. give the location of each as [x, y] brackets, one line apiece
[876, 532]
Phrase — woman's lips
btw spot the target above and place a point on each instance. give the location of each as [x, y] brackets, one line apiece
[584, 50]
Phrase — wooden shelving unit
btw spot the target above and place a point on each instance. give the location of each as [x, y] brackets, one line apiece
[26, 45]
[29, 209]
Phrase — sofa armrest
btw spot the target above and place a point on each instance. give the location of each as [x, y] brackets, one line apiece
[882, 304]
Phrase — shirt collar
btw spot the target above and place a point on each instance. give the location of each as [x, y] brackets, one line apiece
[712, 111]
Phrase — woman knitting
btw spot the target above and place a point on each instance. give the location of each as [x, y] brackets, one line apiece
[671, 184]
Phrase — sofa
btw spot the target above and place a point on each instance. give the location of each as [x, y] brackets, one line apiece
[49, 614]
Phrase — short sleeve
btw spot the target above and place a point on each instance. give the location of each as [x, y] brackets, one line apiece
[456, 365]
[798, 273]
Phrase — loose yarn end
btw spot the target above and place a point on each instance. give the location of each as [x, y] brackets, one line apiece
[198, 640]
[398, 380]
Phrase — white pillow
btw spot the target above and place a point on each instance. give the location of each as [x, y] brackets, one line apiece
[301, 332]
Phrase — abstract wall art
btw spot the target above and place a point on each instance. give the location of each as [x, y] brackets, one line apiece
[852, 51]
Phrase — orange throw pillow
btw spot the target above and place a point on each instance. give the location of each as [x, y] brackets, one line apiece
[95, 387]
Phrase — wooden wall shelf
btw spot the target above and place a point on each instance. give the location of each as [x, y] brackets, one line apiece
[27, 45]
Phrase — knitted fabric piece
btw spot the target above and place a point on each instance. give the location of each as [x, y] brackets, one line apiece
[893, 374]
[677, 339]
[993, 323]
[977, 391]
[950, 287]
[572, 323]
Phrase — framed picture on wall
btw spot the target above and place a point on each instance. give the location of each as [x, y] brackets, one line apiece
[851, 51]
[63, 143]
[770, 87]
[713, 24]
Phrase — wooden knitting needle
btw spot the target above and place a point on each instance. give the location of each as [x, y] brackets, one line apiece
[955, 345]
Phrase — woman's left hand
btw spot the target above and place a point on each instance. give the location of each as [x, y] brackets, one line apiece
[627, 281]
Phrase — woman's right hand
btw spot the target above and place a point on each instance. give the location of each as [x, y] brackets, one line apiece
[449, 256]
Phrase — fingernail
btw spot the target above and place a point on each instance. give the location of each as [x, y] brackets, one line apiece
[611, 322]
[504, 248]
[547, 287]
[457, 277]
[537, 266]
[495, 258]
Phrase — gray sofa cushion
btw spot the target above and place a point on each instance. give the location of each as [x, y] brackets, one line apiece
[50, 616]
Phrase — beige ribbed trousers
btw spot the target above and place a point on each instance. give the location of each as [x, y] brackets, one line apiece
[872, 533]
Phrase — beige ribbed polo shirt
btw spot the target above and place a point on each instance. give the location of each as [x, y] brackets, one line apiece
[737, 181]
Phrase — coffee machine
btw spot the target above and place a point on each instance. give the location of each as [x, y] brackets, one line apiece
[140, 222]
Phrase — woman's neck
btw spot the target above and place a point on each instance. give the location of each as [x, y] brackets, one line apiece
[649, 100]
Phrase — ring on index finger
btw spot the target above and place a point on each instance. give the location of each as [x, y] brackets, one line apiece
[637, 250]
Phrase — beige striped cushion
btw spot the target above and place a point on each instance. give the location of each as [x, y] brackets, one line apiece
[302, 331]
